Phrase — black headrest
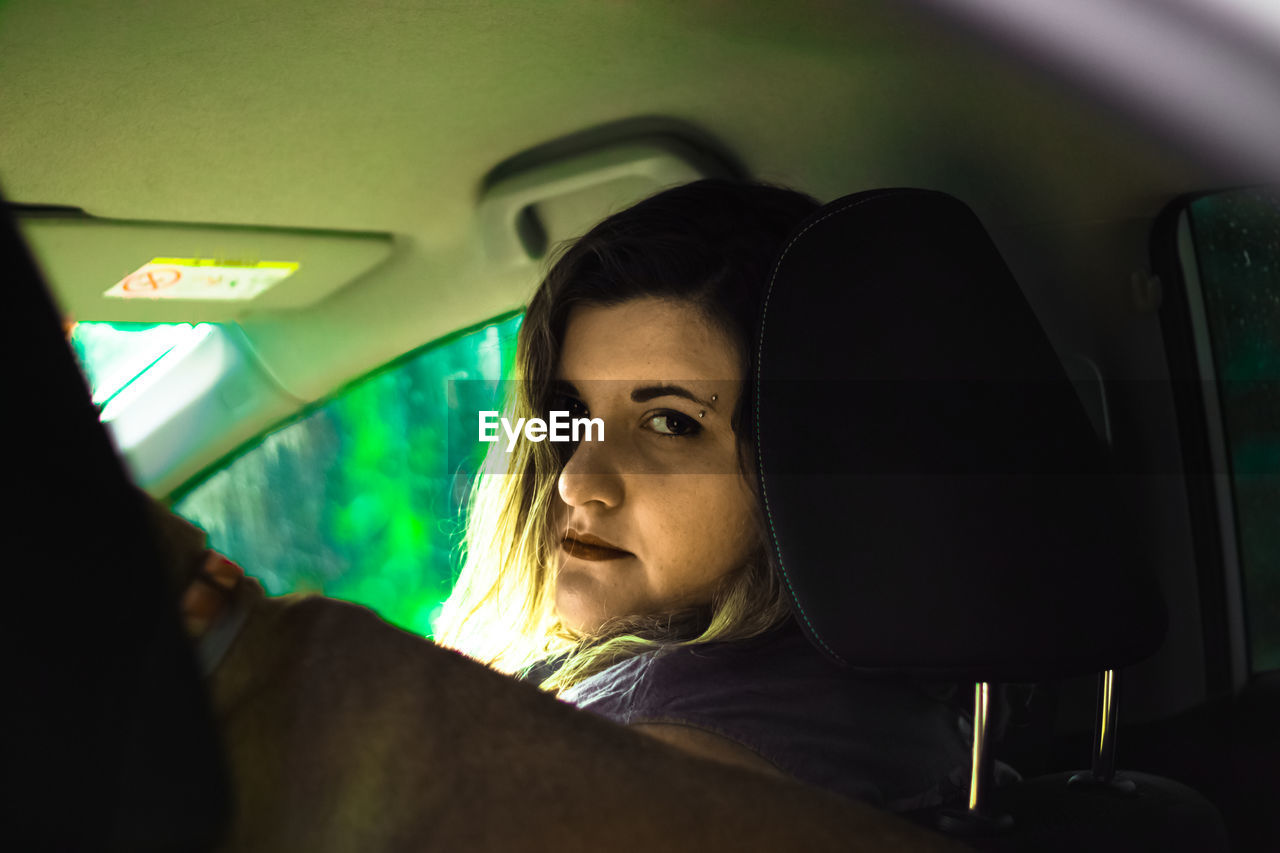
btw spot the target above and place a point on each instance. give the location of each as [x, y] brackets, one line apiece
[938, 500]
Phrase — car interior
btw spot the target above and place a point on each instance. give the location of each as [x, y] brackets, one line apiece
[290, 246]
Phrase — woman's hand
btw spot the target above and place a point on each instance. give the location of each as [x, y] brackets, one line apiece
[207, 596]
[204, 581]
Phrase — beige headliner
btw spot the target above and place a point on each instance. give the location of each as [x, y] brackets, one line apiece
[385, 117]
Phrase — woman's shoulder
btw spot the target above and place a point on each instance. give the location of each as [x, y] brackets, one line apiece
[708, 677]
[880, 740]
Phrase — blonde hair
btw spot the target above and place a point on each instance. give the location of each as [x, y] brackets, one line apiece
[710, 244]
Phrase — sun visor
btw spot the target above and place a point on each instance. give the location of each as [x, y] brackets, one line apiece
[156, 272]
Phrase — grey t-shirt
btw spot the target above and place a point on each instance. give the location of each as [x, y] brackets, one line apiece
[895, 744]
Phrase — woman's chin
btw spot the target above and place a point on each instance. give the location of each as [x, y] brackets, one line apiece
[579, 619]
[578, 603]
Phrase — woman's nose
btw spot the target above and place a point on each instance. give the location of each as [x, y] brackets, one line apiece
[591, 474]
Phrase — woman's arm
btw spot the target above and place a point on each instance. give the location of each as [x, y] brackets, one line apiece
[705, 744]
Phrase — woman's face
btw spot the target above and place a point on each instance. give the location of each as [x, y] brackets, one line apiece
[649, 520]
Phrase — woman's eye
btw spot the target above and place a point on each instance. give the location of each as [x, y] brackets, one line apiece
[672, 424]
[575, 407]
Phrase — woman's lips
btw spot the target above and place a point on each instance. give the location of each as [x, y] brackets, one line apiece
[584, 546]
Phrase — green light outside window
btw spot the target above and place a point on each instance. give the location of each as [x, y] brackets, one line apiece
[360, 499]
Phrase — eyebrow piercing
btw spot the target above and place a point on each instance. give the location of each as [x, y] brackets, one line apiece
[714, 397]
[702, 413]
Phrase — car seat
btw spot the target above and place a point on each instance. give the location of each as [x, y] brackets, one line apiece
[940, 505]
[109, 743]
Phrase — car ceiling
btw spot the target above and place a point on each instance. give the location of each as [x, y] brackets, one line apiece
[387, 116]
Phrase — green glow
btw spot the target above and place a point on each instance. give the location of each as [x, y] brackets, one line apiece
[114, 354]
[359, 499]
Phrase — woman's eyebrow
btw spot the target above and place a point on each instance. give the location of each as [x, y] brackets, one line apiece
[565, 388]
[648, 392]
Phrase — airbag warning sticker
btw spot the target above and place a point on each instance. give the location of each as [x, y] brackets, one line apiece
[198, 278]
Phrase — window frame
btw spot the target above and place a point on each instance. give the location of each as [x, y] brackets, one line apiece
[1206, 456]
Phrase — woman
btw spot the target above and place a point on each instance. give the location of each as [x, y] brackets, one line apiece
[632, 576]
[636, 566]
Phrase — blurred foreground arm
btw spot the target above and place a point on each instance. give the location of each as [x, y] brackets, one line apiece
[342, 733]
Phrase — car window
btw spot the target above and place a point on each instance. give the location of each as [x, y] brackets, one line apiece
[115, 355]
[361, 497]
[1236, 238]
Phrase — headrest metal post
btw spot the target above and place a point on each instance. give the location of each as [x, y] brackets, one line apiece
[978, 820]
[1104, 745]
[981, 769]
[1106, 730]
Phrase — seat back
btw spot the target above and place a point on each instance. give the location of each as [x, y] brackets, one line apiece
[109, 742]
[941, 504]
[938, 498]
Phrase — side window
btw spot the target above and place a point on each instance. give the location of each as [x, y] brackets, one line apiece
[1233, 261]
[113, 356]
[361, 497]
